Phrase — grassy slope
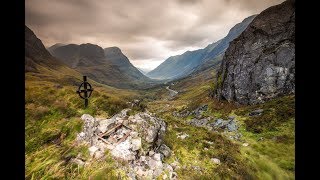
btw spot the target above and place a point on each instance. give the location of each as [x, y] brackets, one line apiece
[53, 120]
[52, 111]
[270, 158]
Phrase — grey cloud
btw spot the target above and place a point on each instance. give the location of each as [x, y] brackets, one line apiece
[172, 25]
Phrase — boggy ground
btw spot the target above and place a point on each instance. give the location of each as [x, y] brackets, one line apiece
[264, 151]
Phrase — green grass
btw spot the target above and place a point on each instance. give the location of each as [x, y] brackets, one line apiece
[270, 158]
[52, 122]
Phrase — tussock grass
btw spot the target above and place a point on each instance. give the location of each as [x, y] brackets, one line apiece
[52, 115]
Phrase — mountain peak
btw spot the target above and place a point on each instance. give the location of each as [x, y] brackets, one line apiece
[112, 51]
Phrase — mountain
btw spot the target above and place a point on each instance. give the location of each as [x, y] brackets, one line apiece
[182, 65]
[108, 66]
[40, 64]
[55, 46]
[143, 70]
[260, 64]
[36, 54]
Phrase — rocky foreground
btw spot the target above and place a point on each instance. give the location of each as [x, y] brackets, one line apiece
[136, 140]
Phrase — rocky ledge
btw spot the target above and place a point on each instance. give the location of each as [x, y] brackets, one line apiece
[136, 140]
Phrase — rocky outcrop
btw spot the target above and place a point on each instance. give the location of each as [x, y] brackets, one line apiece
[260, 63]
[136, 140]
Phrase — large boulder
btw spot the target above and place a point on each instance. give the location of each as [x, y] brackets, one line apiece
[260, 63]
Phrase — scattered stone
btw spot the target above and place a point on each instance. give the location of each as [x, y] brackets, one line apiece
[77, 161]
[245, 144]
[82, 134]
[206, 149]
[198, 112]
[232, 126]
[122, 151]
[168, 167]
[196, 168]
[175, 165]
[229, 125]
[165, 150]
[151, 153]
[236, 136]
[124, 138]
[164, 176]
[182, 135]
[173, 175]
[260, 139]
[256, 112]
[157, 157]
[92, 150]
[98, 154]
[215, 160]
[182, 114]
[135, 144]
[199, 122]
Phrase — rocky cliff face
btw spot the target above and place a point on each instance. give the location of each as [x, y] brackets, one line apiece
[260, 63]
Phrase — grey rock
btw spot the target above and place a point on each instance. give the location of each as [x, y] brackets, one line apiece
[151, 153]
[182, 135]
[229, 125]
[165, 150]
[135, 144]
[256, 112]
[175, 165]
[260, 64]
[232, 126]
[245, 144]
[157, 157]
[92, 150]
[215, 160]
[77, 161]
[173, 175]
[125, 142]
[199, 122]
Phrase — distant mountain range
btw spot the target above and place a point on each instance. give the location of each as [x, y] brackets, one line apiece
[143, 70]
[179, 66]
[107, 66]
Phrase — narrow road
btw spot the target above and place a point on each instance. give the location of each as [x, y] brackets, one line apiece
[172, 93]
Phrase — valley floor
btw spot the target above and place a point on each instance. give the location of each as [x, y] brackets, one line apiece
[262, 147]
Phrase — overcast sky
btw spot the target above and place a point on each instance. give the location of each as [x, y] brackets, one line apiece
[147, 31]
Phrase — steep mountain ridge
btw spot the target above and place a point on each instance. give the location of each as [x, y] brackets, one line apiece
[260, 64]
[108, 66]
[41, 65]
[182, 65]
